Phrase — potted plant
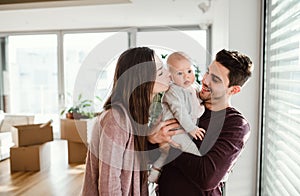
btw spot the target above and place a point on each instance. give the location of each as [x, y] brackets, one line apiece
[80, 109]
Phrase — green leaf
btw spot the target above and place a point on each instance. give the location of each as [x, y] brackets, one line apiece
[98, 98]
[79, 97]
[163, 56]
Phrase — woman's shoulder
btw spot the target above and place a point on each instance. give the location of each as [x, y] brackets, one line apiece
[116, 116]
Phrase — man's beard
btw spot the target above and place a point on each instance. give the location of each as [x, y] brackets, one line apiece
[211, 98]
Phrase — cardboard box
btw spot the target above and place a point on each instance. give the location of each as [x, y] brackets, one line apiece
[32, 134]
[74, 130]
[30, 158]
[76, 152]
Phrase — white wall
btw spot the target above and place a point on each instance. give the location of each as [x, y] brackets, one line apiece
[220, 26]
[236, 25]
[244, 36]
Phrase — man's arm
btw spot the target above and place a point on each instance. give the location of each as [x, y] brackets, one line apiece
[207, 171]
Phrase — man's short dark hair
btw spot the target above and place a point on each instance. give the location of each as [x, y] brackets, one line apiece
[239, 65]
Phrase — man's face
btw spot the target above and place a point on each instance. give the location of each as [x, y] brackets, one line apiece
[215, 83]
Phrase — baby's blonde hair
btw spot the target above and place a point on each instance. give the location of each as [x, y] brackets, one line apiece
[176, 56]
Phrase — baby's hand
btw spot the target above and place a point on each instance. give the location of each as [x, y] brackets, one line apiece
[198, 133]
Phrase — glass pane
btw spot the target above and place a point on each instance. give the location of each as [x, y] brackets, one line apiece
[32, 69]
[89, 63]
[192, 42]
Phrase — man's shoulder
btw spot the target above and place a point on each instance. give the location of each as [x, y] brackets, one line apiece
[234, 113]
[235, 117]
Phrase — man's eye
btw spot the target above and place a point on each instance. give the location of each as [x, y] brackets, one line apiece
[190, 71]
[215, 79]
[160, 74]
[179, 73]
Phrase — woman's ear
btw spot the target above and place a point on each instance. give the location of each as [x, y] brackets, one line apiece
[235, 89]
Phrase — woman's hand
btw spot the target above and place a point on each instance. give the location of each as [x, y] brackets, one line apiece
[163, 132]
[164, 148]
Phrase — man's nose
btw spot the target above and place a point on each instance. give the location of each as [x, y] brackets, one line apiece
[205, 79]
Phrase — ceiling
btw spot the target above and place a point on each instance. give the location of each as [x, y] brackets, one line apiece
[29, 4]
[88, 14]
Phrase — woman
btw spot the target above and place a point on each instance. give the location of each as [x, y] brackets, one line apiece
[116, 159]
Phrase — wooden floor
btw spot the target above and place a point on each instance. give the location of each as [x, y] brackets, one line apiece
[60, 179]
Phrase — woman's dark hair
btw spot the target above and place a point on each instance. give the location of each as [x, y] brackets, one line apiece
[133, 84]
[239, 65]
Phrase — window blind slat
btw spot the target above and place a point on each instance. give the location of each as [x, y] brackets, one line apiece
[290, 113]
[287, 128]
[275, 171]
[285, 184]
[291, 167]
[284, 68]
[290, 96]
[286, 55]
[285, 81]
[292, 40]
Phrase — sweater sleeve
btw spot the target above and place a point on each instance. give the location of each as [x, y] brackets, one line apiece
[207, 171]
[105, 160]
[175, 100]
[91, 175]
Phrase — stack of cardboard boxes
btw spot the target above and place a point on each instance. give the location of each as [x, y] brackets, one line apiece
[76, 132]
[6, 124]
[32, 147]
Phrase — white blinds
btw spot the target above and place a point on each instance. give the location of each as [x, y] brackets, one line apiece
[280, 174]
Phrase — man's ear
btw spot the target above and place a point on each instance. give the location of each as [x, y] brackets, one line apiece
[235, 89]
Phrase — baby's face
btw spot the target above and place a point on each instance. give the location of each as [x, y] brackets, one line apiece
[182, 73]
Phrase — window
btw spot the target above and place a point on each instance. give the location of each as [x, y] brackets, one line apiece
[32, 73]
[280, 174]
[192, 42]
[47, 71]
[88, 64]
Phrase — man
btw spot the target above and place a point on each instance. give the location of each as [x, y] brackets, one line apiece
[226, 132]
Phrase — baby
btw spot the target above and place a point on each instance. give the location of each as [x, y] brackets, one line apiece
[180, 102]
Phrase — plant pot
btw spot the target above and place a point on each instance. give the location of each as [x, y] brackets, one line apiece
[69, 115]
[77, 115]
